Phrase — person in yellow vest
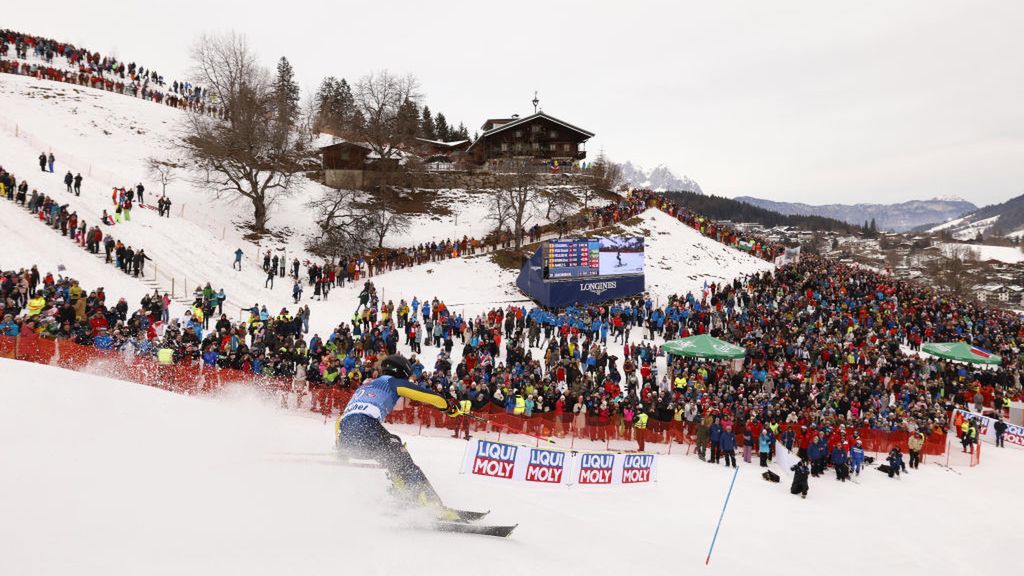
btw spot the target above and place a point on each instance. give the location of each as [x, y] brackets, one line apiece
[520, 405]
[465, 406]
[36, 305]
[640, 424]
[165, 356]
[680, 382]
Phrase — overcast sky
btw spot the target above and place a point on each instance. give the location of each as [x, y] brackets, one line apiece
[801, 101]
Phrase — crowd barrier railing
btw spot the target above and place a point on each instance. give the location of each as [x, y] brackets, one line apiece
[195, 378]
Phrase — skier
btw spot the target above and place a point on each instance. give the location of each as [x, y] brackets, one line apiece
[49, 160]
[238, 259]
[360, 431]
[69, 179]
[139, 189]
[42, 161]
[78, 184]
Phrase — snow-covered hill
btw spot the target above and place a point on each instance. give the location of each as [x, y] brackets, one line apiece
[107, 138]
[1005, 219]
[103, 477]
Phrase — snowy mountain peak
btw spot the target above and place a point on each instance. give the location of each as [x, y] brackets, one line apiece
[661, 178]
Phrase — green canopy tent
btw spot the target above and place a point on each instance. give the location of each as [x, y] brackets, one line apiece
[961, 352]
[704, 346]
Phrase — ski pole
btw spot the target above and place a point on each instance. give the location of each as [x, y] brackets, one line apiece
[507, 427]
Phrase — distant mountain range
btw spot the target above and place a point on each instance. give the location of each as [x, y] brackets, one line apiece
[660, 179]
[900, 217]
[995, 220]
[719, 208]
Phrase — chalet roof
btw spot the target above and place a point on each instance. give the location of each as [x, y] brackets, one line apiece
[324, 141]
[521, 121]
[495, 122]
[452, 144]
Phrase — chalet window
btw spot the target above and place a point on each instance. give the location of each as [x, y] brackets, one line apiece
[536, 128]
[344, 154]
[519, 133]
[536, 145]
[553, 147]
[553, 134]
[565, 147]
[504, 146]
[519, 146]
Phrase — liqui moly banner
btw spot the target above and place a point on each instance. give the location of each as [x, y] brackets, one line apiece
[603, 468]
[511, 462]
[544, 466]
[986, 427]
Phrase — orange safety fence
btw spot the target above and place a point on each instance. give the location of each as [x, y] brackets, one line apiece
[194, 378]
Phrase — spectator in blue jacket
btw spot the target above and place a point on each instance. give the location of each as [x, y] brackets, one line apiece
[8, 327]
[103, 341]
[839, 461]
[815, 454]
[715, 436]
[857, 457]
[764, 447]
[727, 441]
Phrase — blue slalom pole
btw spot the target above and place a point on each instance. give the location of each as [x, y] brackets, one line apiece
[715, 537]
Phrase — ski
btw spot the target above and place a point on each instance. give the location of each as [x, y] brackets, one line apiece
[463, 528]
[466, 515]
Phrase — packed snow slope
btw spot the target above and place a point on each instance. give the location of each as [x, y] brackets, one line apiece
[106, 477]
[108, 138]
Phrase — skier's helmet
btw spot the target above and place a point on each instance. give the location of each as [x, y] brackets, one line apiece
[396, 365]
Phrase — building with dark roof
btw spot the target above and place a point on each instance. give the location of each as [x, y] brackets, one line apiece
[538, 138]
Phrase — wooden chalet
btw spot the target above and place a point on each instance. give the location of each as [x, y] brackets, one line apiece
[538, 137]
[344, 156]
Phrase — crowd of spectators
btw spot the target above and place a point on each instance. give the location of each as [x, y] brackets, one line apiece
[831, 349]
[64, 62]
[56, 215]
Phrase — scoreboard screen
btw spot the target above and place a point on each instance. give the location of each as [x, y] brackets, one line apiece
[577, 258]
[589, 257]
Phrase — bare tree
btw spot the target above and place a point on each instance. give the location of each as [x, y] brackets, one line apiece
[514, 202]
[383, 219]
[344, 228]
[382, 98]
[560, 202]
[254, 153]
[163, 171]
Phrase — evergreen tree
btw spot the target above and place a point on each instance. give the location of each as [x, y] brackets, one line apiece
[335, 106]
[427, 129]
[874, 227]
[408, 121]
[286, 93]
[461, 133]
[441, 127]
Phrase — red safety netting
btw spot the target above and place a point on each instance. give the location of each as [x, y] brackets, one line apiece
[194, 378]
